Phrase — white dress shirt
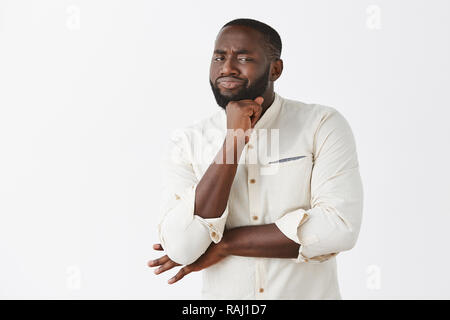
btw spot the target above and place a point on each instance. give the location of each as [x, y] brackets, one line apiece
[299, 170]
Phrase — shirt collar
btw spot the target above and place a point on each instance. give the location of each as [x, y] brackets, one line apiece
[270, 114]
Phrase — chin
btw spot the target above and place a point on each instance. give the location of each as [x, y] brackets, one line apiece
[233, 94]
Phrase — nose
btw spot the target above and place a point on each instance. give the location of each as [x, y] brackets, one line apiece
[229, 68]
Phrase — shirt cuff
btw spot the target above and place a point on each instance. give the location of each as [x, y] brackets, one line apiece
[316, 259]
[289, 225]
[215, 226]
[290, 222]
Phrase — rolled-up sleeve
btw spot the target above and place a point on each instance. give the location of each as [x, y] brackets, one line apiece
[332, 224]
[184, 235]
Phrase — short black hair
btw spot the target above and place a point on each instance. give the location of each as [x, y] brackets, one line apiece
[270, 35]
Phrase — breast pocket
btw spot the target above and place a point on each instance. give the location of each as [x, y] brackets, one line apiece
[287, 183]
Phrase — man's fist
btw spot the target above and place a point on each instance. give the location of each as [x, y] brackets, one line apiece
[243, 114]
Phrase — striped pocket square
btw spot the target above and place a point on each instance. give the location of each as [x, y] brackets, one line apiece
[287, 159]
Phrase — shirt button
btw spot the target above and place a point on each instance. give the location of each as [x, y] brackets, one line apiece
[213, 234]
[255, 218]
[252, 180]
[261, 290]
[177, 196]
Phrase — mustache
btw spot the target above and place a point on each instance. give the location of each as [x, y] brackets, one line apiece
[228, 78]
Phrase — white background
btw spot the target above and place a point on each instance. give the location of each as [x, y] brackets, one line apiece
[89, 91]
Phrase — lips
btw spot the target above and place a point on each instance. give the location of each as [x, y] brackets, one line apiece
[229, 83]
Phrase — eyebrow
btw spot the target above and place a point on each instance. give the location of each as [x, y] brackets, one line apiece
[239, 51]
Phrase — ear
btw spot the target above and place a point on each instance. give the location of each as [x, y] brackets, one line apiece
[276, 69]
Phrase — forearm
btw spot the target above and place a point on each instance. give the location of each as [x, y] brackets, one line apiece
[213, 189]
[265, 241]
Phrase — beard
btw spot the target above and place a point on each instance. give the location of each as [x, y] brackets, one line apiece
[252, 92]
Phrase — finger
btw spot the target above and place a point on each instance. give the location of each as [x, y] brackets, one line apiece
[180, 275]
[259, 100]
[166, 266]
[158, 246]
[158, 262]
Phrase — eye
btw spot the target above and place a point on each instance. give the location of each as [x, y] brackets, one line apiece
[218, 58]
[245, 59]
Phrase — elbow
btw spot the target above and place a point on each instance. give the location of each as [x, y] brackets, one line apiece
[345, 236]
[182, 252]
[347, 231]
[346, 240]
[349, 234]
[184, 246]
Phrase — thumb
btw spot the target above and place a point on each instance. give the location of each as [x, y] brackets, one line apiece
[259, 100]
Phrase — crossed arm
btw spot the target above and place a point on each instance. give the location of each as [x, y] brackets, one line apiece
[265, 241]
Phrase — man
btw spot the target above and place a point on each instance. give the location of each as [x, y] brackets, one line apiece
[260, 224]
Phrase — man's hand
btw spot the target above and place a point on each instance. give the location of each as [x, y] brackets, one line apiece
[243, 114]
[164, 262]
[212, 255]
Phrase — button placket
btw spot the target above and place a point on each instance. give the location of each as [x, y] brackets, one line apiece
[260, 279]
[253, 184]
